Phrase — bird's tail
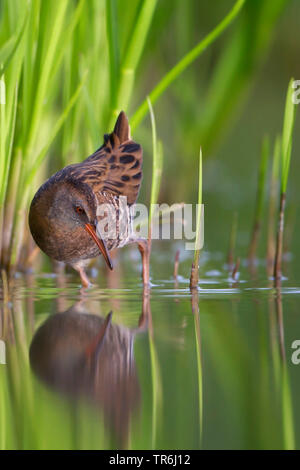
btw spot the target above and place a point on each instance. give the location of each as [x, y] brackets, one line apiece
[122, 128]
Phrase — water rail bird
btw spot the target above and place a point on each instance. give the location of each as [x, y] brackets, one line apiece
[64, 214]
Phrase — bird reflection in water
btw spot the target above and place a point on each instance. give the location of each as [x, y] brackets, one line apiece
[83, 355]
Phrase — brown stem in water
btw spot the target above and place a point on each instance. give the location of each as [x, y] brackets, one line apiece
[271, 223]
[9, 210]
[176, 264]
[279, 240]
[235, 269]
[194, 276]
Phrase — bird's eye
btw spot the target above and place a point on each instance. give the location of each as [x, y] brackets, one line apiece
[79, 210]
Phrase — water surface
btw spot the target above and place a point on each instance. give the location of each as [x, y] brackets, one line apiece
[166, 369]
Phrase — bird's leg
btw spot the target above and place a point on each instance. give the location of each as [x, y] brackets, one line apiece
[145, 253]
[80, 266]
[83, 276]
[144, 249]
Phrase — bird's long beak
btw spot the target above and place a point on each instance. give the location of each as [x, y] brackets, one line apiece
[100, 243]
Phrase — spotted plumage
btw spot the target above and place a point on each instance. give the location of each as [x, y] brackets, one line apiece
[115, 167]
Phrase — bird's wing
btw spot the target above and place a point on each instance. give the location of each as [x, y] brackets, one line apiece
[116, 167]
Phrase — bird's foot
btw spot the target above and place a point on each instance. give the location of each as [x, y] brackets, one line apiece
[84, 279]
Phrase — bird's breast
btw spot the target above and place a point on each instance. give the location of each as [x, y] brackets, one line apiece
[114, 220]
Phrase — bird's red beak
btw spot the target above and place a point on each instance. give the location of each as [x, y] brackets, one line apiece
[100, 243]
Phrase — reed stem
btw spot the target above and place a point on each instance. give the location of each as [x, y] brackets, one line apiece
[235, 269]
[279, 240]
[286, 150]
[274, 185]
[194, 278]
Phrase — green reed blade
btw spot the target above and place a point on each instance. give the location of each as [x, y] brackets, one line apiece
[273, 192]
[113, 48]
[286, 150]
[8, 147]
[31, 38]
[67, 34]
[157, 165]
[8, 49]
[287, 135]
[133, 54]
[56, 129]
[194, 277]
[2, 131]
[199, 211]
[51, 28]
[276, 159]
[189, 58]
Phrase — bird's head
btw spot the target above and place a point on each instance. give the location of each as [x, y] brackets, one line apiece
[62, 220]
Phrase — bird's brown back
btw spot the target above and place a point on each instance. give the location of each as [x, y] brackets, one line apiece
[116, 167]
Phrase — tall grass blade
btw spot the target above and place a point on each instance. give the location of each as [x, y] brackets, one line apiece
[133, 54]
[286, 150]
[188, 59]
[287, 135]
[46, 55]
[195, 266]
[199, 202]
[38, 160]
[8, 49]
[67, 34]
[113, 48]
[273, 193]
[157, 166]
